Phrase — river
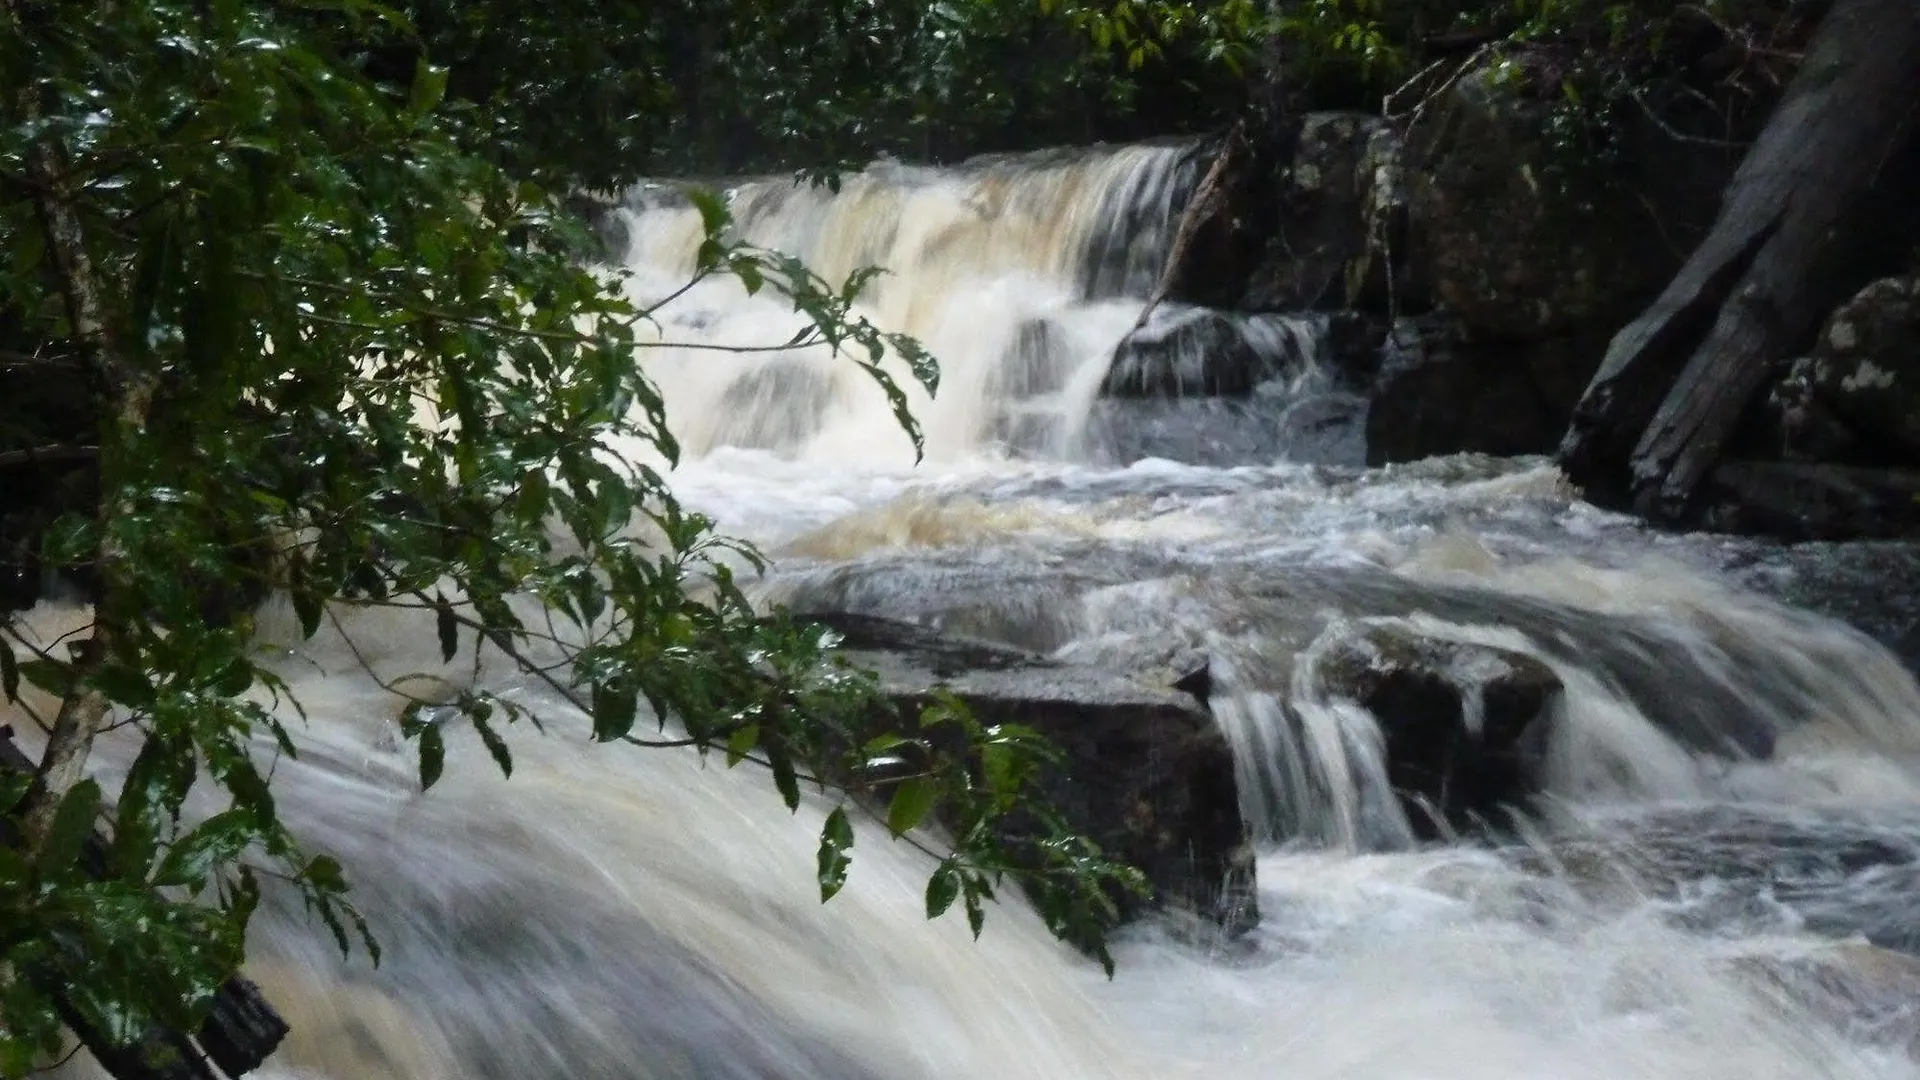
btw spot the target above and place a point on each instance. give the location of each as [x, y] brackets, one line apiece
[614, 912]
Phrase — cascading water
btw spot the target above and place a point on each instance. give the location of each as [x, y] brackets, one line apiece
[608, 913]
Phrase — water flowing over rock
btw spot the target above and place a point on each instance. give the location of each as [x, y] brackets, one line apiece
[1196, 352]
[1464, 727]
[1145, 773]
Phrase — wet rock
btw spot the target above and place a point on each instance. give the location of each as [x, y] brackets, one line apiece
[1036, 362]
[1810, 501]
[774, 407]
[1337, 211]
[1520, 234]
[1440, 394]
[1864, 374]
[1144, 772]
[1464, 725]
[1866, 991]
[1185, 352]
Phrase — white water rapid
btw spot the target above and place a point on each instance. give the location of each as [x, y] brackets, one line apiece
[617, 913]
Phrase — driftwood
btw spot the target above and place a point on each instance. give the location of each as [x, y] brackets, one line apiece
[240, 1030]
[1209, 199]
[1675, 382]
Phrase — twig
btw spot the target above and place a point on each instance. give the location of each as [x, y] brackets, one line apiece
[34, 455]
[1639, 98]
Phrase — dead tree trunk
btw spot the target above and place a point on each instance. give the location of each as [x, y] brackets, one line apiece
[1676, 381]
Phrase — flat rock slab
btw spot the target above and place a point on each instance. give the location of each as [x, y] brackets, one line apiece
[1144, 770]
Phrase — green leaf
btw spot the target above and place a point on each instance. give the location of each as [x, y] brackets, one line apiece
[433, 755]
[910, 803]
[741, 743]
[154, 790]
[50, 675]
[13, 788]
[448, 625]
[308, 608]
[615, 709]
[72, 824]
[942, 888]
[214, 843]
[785, 777]
[836, 839]
[429, 88]
[495, 745]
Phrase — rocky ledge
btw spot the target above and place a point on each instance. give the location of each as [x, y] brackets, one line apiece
[1144, 771]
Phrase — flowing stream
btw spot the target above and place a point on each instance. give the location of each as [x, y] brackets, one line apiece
[622, 913]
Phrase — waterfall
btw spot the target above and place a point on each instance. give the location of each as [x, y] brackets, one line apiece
[1021, 275]
[617, 912]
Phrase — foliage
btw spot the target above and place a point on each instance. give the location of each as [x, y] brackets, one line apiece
[338, 353]
[599, 92]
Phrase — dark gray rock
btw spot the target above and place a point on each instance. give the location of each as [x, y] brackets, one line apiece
[1523, 237]
[1438, 393]
[1144, 772]
[1865, 373]
[1337, 205]
[1185, 352]
[1808, 501]
[1464, 725]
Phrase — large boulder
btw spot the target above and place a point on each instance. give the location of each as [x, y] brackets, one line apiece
[1437, 392]
[1144, 771]
[1863, 375]
[1463, 726]
[1338, 202]
[1519, 225]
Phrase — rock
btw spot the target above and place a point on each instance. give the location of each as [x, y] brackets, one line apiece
[1185, 351]
[1438, 394]
[777, 406]
[1806, 501]
[1865, 372]
[1145, 772]
[1337, 204]
[1522, 236]
[1464, 725]
[1866, 991]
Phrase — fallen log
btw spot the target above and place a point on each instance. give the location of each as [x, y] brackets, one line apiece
[241, 1027]
[1675, 382]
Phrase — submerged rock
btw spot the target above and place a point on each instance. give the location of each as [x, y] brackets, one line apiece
[1463, 725]
[1866, 991]
[1144, 772]
[1186, 352]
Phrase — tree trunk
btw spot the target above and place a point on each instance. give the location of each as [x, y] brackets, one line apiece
[1676, 381]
